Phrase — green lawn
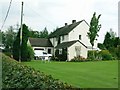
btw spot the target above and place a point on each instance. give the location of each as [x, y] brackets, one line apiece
[99, 74]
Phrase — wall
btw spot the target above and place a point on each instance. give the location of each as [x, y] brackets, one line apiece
[65, 38]
[45, 49]
[72, 52]
[82, 30]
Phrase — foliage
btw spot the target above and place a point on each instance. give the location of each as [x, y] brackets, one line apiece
[22, 51]
[78, 59]
[101, 46]
[16, 75]
[94, 28]
[33, 34]
[36, 34]
[30, 53]
[2, 37]
[53, 58]
[96, 55]
[7, 39]
[8, 54]
[62, 56]
[108, 41]
[44, 33]
[118, 52]
[111, 43]
[105, 55]
[16, 47]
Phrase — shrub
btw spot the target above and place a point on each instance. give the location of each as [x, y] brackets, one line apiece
[78, 59]
[8, 54]
[16, 75]
[30, 53]
[105, 55]
[63, 56]
[53, 58]
[90, 55]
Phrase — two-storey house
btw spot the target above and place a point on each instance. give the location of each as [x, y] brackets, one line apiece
[72, 38]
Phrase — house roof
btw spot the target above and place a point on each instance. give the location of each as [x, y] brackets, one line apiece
[68, 44]
[65, 30]
[40, 42]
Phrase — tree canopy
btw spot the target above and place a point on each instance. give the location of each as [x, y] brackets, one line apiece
[22, 51]
[94, 28]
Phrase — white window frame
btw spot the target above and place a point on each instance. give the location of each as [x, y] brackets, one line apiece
[60, 51]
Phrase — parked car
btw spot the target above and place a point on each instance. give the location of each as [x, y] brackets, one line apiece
[41, 54]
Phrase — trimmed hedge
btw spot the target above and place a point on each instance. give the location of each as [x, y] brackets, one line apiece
[17, 75]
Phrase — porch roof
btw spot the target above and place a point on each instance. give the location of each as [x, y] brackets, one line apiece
[68, 44]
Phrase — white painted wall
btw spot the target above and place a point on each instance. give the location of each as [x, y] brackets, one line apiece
[82, 30]
[65, 38]
[45, 49]
[72, 52]
[54, 41]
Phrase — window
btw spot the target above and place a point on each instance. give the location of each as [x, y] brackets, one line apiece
[60, 51]
[38, 49]
[49, 51]
[78, 50]
[63, 38]
[79, 37]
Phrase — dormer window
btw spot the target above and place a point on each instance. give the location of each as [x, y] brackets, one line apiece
[80, 37]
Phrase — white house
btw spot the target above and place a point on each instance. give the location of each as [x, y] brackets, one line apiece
[72, 38]
[41, 44]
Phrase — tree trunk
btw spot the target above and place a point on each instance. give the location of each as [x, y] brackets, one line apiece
[93, 54]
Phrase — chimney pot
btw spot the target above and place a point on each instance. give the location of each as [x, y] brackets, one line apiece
[65, 24]
[73, 21]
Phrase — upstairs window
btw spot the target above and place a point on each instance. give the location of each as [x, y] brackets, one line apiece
[63, 38]
[80, 37]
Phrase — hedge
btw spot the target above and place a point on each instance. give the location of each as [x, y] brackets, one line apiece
[17, 75]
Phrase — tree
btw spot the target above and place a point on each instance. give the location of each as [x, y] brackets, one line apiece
[9, 39]
[108, 41]
[44, 33]
[112, 34]
[94, 29]
[33, 34]
[22, 50]
[2, 37]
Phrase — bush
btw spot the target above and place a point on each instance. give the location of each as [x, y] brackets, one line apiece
[16, 75]
[53, 58]
[30, 53]
[63, 56]
[78, 59]
[90, 55]
[8, 54]
[105, 55]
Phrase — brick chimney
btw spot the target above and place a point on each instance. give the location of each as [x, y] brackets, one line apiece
[73, 21]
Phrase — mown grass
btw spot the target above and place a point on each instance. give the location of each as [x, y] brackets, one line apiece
[99, 74]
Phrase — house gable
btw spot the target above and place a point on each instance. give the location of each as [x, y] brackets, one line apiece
[80, 33]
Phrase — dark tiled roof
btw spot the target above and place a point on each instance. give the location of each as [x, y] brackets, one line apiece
[68, 44]
[65, 44]
[40, 42]
[64, 30]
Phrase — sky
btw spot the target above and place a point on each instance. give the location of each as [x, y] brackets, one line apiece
[39, 14]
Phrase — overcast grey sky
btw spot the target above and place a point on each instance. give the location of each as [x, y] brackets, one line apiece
[54, 13]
